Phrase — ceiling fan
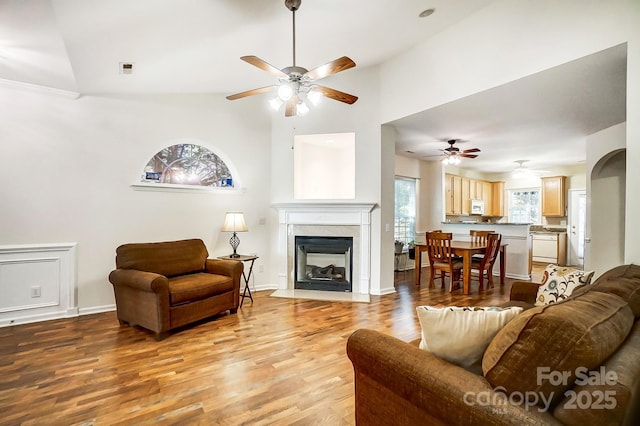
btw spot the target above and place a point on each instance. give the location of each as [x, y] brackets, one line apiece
[522, 171]
[297, 84]
[452, 154]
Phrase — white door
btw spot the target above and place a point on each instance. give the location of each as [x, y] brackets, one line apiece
[577, 226]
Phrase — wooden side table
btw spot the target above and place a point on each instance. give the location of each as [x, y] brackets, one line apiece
[247, 277]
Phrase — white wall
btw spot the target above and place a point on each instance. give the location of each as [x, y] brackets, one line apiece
[504, 42]
[68, 165]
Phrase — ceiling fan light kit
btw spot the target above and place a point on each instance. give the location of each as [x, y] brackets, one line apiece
[296, 85]
[453, 156]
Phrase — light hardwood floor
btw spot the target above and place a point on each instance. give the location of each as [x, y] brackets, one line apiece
[278, 361]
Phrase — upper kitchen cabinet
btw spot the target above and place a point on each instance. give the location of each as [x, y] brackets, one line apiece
[459, 191]
[554, 196]
[497, 202]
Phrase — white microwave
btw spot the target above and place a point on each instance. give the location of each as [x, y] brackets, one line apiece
[477, 206]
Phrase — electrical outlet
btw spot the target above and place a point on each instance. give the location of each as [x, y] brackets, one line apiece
[260, 269]
[262, 221]
[35, 291]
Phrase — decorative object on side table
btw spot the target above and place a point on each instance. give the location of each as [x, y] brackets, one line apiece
[234, 222]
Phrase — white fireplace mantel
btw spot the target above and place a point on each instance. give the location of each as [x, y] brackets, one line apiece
[336, 215]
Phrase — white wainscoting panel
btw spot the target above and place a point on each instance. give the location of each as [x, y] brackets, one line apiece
[37, 283]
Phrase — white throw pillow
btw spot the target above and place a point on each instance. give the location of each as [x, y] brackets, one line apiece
[461, 334]
[558, 282]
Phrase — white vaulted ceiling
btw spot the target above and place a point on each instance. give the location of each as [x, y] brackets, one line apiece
[194, 46]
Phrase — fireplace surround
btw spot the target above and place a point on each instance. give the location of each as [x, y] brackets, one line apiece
[346, 220]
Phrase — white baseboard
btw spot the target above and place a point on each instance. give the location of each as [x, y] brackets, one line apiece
[97, 309]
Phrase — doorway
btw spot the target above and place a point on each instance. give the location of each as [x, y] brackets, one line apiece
[577, 226]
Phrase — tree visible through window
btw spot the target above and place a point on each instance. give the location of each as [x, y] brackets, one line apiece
[405, 210]
[524, 205]
[188, 164]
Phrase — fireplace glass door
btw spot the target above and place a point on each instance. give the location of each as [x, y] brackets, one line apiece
[323, 263]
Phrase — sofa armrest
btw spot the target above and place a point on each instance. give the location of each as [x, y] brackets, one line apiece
[229, 268]
[524, 291]
[397, 383]
[145, 281]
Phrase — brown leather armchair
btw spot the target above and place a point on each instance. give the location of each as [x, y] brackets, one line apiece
[165, 285]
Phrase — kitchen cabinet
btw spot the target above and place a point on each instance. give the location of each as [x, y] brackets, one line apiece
[487, 197]
[554, 196]
[466, 187]
[549, 248]
[459, 191]
[497, 201]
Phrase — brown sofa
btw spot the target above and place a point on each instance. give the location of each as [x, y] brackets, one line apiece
[162, 286]
[597, 328]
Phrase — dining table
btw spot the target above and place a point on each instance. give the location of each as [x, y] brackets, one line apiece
[464, 249]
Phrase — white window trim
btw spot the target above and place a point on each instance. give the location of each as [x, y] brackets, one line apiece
[509, 202]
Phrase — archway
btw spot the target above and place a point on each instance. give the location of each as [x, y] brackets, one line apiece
[606, 212]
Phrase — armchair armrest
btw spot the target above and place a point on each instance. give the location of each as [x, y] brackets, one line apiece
[145, 281]
[524, 291]
[397, 383]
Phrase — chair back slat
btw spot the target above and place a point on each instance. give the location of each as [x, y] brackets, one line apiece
[478, 236]
[439, 246]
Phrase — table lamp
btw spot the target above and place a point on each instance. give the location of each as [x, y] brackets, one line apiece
[234, 222]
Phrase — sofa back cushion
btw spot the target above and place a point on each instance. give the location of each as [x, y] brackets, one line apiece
[607, 396]
[167, 258]
[623, 281]
[538, 352]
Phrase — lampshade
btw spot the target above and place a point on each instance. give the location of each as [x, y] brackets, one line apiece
[234, 222]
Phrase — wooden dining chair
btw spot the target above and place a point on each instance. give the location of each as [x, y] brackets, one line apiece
[441, 259]
[485, 264]
[479, 237]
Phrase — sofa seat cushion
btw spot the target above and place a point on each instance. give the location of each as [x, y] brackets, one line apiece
[193, 287]
[582, 331]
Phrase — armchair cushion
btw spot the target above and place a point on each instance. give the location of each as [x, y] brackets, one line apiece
[193, 287]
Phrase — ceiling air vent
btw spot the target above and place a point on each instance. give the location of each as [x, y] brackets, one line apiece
[126, 68]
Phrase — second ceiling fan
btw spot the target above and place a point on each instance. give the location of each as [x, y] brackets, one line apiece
[296, 84]
[452, 154]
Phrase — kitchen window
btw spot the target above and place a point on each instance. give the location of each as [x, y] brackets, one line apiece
[524, 205]
[405, 210]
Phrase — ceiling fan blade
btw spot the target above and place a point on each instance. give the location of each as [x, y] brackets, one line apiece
[257, 62]
[337, 95]
[291, 107]
[251, 92]
[467, 151]
[330, 68]
[468, 155]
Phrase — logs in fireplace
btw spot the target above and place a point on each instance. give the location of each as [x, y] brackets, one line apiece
[323, 263]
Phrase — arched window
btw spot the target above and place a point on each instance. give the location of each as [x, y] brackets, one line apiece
[188, 164]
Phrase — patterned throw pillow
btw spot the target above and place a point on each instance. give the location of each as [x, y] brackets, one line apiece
[558, 282]
[461, 334]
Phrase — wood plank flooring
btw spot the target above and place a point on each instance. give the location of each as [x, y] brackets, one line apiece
[278, 361]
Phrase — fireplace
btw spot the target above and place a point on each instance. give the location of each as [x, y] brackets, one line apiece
[323, 263]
